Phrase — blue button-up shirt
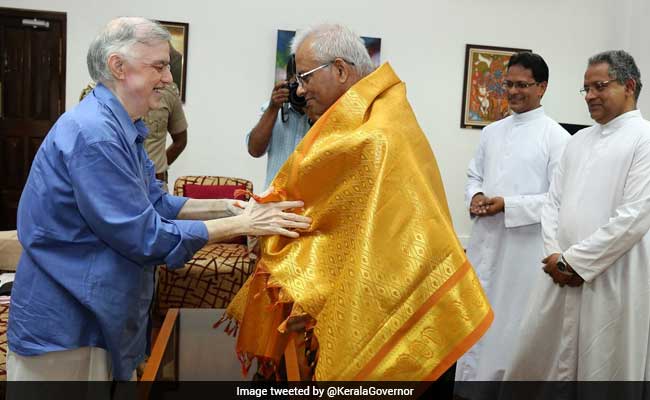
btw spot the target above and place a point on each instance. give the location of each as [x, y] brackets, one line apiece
[94, 223]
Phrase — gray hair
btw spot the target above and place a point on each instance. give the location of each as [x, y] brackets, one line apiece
[118, 36]
[332, 41]
[621, 67]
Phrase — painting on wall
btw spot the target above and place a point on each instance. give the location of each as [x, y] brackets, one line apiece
[484, 98]
[178, 56]
[283, 52]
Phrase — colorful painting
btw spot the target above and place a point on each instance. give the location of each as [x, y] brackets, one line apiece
[484, 99]
[282, 52]
[178, 52]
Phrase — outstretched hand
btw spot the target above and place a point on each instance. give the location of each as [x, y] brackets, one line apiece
[271, 218]
[235, 207]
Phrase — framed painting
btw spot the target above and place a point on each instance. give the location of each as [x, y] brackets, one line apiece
[282, 52]
[484, 99]
[178, 53]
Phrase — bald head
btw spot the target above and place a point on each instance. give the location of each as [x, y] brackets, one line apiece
[329, 60]
[329, 41]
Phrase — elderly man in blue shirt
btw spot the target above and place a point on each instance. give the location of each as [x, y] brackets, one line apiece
[94, 222]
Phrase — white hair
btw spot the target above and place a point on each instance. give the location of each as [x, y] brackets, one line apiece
[118, 36]
[331, 41]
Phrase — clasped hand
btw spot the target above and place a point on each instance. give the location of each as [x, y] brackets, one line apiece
[482, 205]
[550, 267]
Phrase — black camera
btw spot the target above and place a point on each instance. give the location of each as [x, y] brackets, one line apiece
[295, 100]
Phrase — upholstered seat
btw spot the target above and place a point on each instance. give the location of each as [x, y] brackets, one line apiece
[4, 318]
[10, 250]
[217, 271]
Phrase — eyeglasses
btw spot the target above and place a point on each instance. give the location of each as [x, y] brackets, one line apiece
[303, 78]
[599, 86]
[518, 85]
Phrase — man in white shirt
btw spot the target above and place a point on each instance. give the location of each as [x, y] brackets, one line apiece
[282, 125]
[589, 318]
[507, 182]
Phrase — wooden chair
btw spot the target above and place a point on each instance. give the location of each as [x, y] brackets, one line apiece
[164, 350]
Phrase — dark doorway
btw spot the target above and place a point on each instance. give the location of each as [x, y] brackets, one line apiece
[32, 95]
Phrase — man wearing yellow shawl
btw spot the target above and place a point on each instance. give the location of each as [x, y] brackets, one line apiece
[380, 273]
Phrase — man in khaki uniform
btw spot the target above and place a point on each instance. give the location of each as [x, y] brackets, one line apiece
[169, 117]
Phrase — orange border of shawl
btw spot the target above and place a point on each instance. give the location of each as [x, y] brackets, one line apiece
[456, 352]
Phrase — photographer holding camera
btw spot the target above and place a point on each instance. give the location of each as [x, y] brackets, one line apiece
[282, 125]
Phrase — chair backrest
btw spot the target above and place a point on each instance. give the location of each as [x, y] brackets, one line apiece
[221, 184]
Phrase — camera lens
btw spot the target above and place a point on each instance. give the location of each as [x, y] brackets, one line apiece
[295, 100]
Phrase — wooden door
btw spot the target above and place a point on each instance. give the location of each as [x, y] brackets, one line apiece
[32, 95]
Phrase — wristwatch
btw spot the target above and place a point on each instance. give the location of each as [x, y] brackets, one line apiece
[563, 266]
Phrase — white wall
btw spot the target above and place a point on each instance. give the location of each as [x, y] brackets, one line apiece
[232, 50]
[632, 22]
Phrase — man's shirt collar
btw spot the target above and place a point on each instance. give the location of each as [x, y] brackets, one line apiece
[132, 130]
[616, 123]
[528, 116]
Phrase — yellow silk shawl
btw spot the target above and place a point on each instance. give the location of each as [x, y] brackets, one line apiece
[381, 269]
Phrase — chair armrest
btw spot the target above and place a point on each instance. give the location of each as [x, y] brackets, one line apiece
[160, 347]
